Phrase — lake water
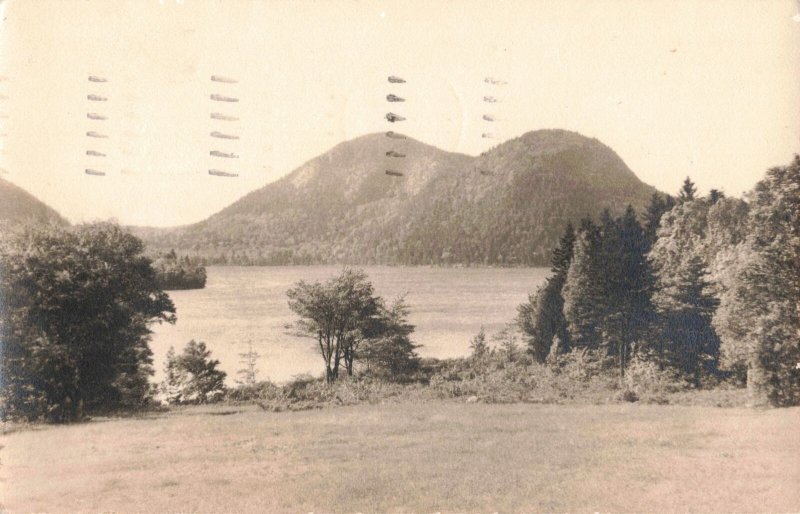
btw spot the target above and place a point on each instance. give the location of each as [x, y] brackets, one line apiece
[249, 304]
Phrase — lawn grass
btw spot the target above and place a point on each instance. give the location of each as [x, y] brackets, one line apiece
[409, 457]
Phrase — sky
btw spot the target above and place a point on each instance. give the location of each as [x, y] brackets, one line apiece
[708, 89]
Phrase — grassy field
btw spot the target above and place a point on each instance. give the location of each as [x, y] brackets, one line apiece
[406, 457]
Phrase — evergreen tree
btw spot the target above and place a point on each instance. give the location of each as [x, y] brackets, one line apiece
[687, 192]
[192, 377]
[248, 374]
[562, 254]
[506, 341]
[583, 289]
[687, 307]
[629, 286]
[542, 317]
[478, 345]
[174, 379]
[388, 349]
[715, 195]
[684, 296]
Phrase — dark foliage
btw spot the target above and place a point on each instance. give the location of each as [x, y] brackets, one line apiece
[192, 376]
[687, 192]
[173, 272]
[388, 351]
[690, 342]
[76, 306]
[541, 319]
[349, 322]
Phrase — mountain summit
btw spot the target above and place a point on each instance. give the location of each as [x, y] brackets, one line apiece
[505, 207]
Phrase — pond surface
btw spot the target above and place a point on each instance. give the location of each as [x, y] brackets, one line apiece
[243, 305]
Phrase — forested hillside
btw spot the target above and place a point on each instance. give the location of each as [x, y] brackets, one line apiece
[17, 205]
[504, 207]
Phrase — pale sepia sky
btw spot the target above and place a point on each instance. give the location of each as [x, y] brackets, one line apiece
[709, 89]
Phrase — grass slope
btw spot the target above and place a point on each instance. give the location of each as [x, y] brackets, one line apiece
[437, 456]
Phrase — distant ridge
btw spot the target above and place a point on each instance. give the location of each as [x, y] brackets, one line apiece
[19, 206]
[506, 207]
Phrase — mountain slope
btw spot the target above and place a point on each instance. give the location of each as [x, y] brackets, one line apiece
[19, 206]
[504, 207]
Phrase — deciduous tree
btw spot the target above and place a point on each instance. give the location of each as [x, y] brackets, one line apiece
[74, 323]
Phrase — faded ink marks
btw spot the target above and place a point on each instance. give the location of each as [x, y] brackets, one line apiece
[222, 135]
[98, 94]
[226, 80]
[393, 157]
[220, 173]
[222, 98]
[223, 155]
[223, 117]
[227, 155]
[494, 81]
[489, 118]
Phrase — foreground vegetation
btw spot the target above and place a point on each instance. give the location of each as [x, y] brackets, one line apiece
[702, 294]
[434, 456]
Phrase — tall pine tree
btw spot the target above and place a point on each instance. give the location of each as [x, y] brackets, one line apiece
[687, 192]
[583, 289]
[542, 317]
[683, 295]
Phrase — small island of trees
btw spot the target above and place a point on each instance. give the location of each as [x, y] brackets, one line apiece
[173, 272]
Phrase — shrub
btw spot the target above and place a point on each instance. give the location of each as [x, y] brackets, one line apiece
[192, 377]
[646, 380]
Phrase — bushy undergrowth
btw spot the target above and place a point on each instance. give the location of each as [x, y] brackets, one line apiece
[494, 377]
[644, 380]
[307, 392]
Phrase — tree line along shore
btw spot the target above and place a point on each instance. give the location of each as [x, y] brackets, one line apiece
[693, 295]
